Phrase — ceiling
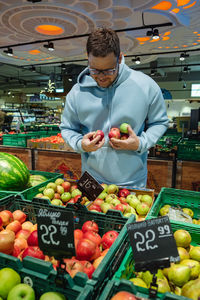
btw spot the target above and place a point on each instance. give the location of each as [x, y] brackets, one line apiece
[26, 27]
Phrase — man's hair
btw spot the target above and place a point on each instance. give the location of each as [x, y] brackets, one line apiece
[103, 41]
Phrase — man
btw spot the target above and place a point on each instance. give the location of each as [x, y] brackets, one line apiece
[109, 93]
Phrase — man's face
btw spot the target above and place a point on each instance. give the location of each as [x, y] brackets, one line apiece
[106, 64]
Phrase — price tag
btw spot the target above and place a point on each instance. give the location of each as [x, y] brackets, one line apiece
[153, 244]
[56, 232]
[89, 186]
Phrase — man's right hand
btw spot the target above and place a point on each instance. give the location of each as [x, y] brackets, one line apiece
[89, 144]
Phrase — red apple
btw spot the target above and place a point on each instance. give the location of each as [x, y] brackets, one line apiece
[33, 251]
[27, 225]
[122, 200]
[16, 250]
[7, 238]
[98, 133]
[33, 238]
[23, 233]
[56, 196]
[19, 216]
[76, 198]
[85, 249]
[98, 201]
[66, 185]
[95, 207]
[114, 133]
[73, 266]
[21, 243]
[6, 216]
[73, 187]
[123, 193]
[1, 223]
[124, 136]
[120, 207]
[15, 226]
[92, 236]
[90, 226]
[108, 238]
[96, 254]
[78, 234]
[123, 295]
[88, 268]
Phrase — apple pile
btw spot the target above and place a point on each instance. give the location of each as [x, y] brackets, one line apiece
[11, 288]
[123, 200]
[90, 248]
[60, 192]
[165, 210]
[182, 278]
[119, 133]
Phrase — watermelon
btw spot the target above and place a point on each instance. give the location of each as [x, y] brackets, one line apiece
[36, 179]
[14, 174]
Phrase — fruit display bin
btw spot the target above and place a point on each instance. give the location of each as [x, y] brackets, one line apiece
[126, 269]
[177, 198]
[189, 149]
[41, 273]
[5, 194]
[114, 287]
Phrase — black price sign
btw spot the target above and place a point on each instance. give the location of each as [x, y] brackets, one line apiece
[56, 232]
[153, 244]
[89, 186]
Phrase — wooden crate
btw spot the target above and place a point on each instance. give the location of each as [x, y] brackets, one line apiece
[160, 174]
[22, 153]
[64, 162]
[188, 175]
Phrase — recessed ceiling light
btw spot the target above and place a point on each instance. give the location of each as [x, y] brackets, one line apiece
[9, 52]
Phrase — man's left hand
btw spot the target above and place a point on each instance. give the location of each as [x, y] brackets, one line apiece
[131, 143]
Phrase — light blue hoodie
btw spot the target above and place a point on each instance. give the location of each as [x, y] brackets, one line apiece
[132, 98]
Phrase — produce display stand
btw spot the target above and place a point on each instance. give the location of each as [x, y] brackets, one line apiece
[41, 273]
[188, 175]
[24, 154]
[67, 163]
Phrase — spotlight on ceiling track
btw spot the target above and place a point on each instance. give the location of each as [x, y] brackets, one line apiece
[183, 56]
[33, 69]
[184, 85]
[153, 72]
[9, 52]
[186, 69]
[49, 46]
[136, 60]
[34, 1]
[63, 66]
[154, 33]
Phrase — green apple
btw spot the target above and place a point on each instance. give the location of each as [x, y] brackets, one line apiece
[124, 127]
[105, 187]
[76, 192]
[51, 185]
[21, 291]
[139, 197]
[52, 296]
[66, 196]
[102, 195]
[113, 189]
[130, 209]
[105, 207]
[142, 208]
[49, 192]
[115, 202]
[132, 200]
[164, 210]
[60, 189]
[8, 279]
[56, 202]
[127, 215]
[147, 199]
[110, 197]
[40, 195]
[59, 181]
[45, 197]
[188, 211]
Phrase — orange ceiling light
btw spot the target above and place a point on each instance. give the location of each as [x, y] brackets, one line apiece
[182, 2]
[195, 32]
[49, 29]
[191, 5]
[143, 39]
[175, 10]
[165, 38]
[175, 47]
[163, 5]
[34, 52]
[167, 33]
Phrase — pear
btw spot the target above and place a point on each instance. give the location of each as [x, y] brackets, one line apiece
[188, 211]
[183, 253]
[182, 238]
[147, 277]
[138, 281]
[194, 267]
[191, 289]
[195, 253]
[163, 285]
[177, 290]
[179, 274]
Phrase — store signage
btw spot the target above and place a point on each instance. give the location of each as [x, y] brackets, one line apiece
[89, 186]
[56, 232]
[153, 244]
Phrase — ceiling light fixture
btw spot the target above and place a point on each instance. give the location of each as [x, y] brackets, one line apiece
[184, 85]
[63, 66]
[34, 1]
[33, 69]
[155, 35]
[49, 46]
[183, 56]
[136, 60]
[9, 52]
[186, 69]
[153, 72]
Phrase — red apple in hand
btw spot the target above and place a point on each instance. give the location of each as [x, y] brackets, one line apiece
[85, 249]
[124, 137]
[108, 238]
[92, 236]
[19, 216]
[98, 133]
[114, 133]
[90, 226]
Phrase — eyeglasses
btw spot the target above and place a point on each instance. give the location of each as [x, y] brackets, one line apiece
[104, 72]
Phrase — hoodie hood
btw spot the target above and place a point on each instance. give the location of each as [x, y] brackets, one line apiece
[85, 80]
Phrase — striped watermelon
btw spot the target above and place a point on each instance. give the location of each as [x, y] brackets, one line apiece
[14, 174]
[36, 179]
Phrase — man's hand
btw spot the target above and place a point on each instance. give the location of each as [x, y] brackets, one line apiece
[89, 144]
[132, 143]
